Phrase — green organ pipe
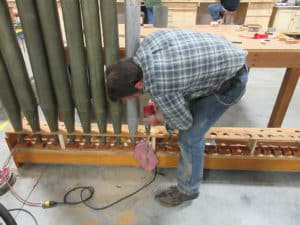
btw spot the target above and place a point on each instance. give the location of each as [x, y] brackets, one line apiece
[8, 98]
[111, 50]
[16, 68]
[79, 80]
[49, 22]
[90, 14]
[38, 61]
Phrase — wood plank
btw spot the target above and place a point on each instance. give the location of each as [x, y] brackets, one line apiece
[273, 59]
[253, 163]
[216, 133]
[113, 158]
[126, 158]
[76, 157]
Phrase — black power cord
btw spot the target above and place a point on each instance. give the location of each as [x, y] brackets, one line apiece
[24, 210]
[87, 192]
[83, 199]
[5, 215]
[121, 199]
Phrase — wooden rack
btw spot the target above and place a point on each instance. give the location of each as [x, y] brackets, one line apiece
[234, 148]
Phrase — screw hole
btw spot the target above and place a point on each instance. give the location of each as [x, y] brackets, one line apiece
[213, 134]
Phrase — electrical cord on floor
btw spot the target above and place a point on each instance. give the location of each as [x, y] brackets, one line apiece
[21, 199]
[7, 180]
[24, 210]
[83, 199]
[123, 198]
[91, 191]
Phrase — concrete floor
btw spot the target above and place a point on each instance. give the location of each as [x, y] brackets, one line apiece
[226, 197]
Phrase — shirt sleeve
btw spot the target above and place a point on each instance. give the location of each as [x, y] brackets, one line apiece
[175, 111]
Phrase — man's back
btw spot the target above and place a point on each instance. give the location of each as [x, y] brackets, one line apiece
[190, 62]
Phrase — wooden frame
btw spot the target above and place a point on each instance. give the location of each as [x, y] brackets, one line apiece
[236, 148]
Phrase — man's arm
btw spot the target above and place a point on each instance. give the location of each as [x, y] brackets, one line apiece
[175, 111]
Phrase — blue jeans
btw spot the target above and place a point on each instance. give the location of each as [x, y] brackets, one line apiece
[150, 15]
[206, 111]
[216, 11]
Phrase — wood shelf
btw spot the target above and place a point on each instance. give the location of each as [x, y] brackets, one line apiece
[234, 148]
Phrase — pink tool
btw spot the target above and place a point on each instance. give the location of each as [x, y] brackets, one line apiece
[145, 155]
[144, 151]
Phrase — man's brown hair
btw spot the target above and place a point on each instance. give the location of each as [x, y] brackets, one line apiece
[122, 77]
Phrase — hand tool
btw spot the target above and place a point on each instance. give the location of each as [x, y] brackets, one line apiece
[144, 151]
[149, 110]
[256, 36]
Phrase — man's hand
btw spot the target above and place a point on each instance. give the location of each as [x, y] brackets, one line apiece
[154, 120]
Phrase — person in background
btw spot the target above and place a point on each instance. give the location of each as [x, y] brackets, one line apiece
[149, 9]
[217, 10]
[192, 78]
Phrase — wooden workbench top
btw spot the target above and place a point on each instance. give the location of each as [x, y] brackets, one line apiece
[233, 33]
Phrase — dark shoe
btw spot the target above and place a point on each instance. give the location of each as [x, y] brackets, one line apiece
[173, 197]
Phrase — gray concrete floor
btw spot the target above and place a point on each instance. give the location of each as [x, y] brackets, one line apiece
[226, 197]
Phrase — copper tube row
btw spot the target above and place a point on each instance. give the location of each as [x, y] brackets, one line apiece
[226, 148]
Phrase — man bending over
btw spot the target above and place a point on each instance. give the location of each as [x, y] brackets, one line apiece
[193, 78]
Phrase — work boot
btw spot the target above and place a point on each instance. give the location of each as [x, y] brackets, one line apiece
[173, 197]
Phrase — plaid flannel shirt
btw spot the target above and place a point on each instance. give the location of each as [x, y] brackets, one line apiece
[179, 66]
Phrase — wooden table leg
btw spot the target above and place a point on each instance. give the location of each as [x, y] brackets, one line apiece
[284, 97]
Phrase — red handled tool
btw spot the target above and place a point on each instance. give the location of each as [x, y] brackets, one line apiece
[149, 110]
[260, 36]
[257, 36]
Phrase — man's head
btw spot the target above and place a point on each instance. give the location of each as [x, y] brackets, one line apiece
[124, 79]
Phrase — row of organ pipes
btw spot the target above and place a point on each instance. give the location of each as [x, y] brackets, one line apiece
[63, 89]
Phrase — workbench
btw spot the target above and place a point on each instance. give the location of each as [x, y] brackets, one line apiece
[273, 53]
